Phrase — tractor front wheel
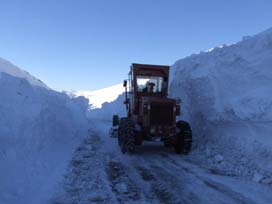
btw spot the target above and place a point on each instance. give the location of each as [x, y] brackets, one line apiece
[126, 135]
[183, 142]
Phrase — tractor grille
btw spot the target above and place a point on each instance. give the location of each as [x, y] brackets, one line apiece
[161, 114]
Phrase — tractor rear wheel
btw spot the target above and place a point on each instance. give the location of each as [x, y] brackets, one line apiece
[126, 135]
[183, 143]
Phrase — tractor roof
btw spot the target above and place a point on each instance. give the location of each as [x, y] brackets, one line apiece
[149, 66]
[148, 69]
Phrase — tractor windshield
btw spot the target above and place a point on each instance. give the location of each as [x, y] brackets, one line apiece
[149, 84]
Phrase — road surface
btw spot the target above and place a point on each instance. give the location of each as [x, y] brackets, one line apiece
[100, 173]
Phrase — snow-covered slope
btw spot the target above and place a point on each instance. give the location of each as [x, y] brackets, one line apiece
[11, 69]
[38, 130]
[226, 97]
[98, 97]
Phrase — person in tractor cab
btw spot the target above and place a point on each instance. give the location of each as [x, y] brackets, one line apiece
[149, 87]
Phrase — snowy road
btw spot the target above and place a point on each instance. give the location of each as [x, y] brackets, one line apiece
[99, 173]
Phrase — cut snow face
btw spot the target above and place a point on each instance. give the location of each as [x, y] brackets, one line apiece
[38, 130]
[226, 97]
[98, 97]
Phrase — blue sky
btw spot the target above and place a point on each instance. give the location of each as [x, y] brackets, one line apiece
[90, 44]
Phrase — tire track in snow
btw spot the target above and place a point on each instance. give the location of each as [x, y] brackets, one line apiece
[167, 188]
[219, 187]
[239, 198]
[98, 176]
[158, 189]
[121, 184]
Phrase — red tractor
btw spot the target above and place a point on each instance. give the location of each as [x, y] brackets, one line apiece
[151, 115]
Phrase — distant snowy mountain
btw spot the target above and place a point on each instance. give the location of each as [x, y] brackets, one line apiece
[39, 129]
[98, 97]
[108, 109]
[11, 69]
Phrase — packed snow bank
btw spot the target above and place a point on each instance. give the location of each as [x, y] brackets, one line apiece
[226, 97]
[98, 97]
[38, 130]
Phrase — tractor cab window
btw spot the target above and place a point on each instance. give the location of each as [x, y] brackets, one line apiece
[151, 84]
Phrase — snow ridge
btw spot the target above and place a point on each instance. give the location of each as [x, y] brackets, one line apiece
[11, 69]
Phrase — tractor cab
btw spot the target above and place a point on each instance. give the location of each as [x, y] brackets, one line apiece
[147, 82]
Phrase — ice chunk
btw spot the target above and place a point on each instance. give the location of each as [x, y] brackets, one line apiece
[257, 177]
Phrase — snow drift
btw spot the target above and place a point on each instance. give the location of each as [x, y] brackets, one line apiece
[39, 128]
[226, 97]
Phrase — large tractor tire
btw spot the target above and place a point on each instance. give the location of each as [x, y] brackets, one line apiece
[126, 135]
[115, 120]
[183, 143]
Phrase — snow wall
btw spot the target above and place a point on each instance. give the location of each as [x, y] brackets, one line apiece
[39, 128]
[226, 94]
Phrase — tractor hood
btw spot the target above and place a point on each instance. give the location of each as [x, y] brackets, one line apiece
[149, 100]
[158, 111]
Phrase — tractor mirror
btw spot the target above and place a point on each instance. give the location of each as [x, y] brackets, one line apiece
[125, 83]
[178, 101]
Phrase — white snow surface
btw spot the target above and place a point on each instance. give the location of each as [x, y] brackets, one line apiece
[39, 129]
[98, 97]
[226, 98]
